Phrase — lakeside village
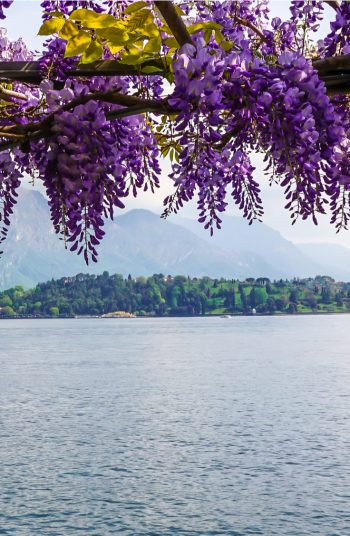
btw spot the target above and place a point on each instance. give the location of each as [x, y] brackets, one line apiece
[113, 296]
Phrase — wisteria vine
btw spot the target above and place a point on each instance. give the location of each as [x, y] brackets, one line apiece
[209, 85]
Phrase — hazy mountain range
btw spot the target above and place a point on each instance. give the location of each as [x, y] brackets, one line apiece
[140, 243]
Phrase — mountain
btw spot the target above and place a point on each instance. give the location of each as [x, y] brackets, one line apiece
[139, 242]
[335, 258]
[262, 246]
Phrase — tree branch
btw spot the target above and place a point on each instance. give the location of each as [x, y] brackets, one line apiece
[225, 138]
[132, 104]
[174, 21]
[134, 110]
[333, 3]
[252, 26]
[12, 135]
[113, 97]
[8, 94]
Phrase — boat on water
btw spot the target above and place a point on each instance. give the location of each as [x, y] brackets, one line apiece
[225, 316]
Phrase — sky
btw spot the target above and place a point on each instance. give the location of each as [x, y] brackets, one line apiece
[23, 19]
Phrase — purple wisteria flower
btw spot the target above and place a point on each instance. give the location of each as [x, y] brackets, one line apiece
[245, 84]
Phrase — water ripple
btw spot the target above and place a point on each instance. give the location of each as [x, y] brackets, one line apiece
[162, 427]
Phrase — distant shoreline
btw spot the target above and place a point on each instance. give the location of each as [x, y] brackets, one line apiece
[226, 316]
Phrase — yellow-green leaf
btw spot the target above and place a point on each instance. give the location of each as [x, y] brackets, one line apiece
[134, 59]
[151, 69]
[207, 35]
[78, 44]
[51, 26]
[115, 48]
[153, 45]
[139, 19]
[179, 11]
[165, 28]
[219, 36]
[164, 150]
[194, 28]
[91, 19]
[171, 42]
[69, 30]
[92, 53]
[113, 34]
[226, 45]
[114, 37]
[56, 14]
[150, 30]
[135, 6]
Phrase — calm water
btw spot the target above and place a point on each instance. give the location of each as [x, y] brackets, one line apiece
[175, 426]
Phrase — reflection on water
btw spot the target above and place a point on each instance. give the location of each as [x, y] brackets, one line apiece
[175, 426]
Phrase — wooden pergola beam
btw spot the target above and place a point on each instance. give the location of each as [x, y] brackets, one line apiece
[177, 26]
[30, 72]
[333, 71]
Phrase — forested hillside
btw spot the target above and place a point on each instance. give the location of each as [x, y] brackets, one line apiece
[165, 295]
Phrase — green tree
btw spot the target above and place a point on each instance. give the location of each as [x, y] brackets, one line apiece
[8, 311]
[270, 305]
[326, 295]
[261, 295]
[294, 296]
[5, 300]
[253, 300]
[339, 299]
[310, 299]
[230, 299]
[292, 308]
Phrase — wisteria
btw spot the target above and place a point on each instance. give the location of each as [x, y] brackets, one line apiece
[4, 5]
[208, 84]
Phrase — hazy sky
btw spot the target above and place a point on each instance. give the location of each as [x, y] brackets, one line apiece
[23, 19]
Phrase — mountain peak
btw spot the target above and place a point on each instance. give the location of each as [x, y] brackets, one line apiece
[139, 214]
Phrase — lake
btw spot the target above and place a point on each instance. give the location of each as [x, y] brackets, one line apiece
[157, 427]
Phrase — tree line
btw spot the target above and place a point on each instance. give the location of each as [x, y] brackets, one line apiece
[163, 295]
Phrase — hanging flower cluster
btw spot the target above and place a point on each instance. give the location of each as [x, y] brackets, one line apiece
[4, 5]
[234, 83]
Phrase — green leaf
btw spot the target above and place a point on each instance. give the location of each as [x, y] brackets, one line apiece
[194, 28]
[135, 6]
[139, 19]
[114, 37]
[207, 35]
[56, 14]
[151, 69]
[153, 46]
[113, 34]
[92, 53]
[171, 42]
[150, 30]
[226, 45]
[115, 48]
[133, 57]
[179, 11]
[51, 26]
[78, 44]
[91, 19]
[219, 37]
[68, 31]
[165, 28]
